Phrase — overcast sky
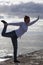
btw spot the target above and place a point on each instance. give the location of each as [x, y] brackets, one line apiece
[19, 8]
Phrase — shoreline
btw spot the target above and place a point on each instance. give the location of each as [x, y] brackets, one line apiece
[33, 58]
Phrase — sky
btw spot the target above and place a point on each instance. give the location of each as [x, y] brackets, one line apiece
[19, 8]
[17, 1]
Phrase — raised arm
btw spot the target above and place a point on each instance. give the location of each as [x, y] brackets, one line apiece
[33, 21]
[15, 24]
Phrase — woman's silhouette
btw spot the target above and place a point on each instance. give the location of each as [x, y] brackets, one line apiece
[17, 33]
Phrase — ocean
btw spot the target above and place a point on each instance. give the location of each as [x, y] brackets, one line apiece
[32, 40]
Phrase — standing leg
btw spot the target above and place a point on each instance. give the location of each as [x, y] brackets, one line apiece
[15, 50]
[14, 41]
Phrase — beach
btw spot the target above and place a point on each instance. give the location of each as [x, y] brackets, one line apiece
[33, 58]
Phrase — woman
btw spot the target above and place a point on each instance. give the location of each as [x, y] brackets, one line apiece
[17, 33]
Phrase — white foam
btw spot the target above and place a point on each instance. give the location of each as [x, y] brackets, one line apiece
[1, 60]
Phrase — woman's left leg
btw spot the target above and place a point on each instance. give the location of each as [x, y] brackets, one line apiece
[14, 42]
[15, 46]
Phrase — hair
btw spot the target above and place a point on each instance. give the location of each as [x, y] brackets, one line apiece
[26, 17]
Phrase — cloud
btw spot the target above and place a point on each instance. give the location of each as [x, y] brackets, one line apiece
[31, 9]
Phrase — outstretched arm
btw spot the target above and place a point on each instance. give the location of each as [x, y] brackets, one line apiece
[15, 24]
[33, 21]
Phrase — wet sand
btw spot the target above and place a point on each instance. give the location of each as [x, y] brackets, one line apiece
[33, 58]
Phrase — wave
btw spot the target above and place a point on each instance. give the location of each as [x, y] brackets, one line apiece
[7, 57]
